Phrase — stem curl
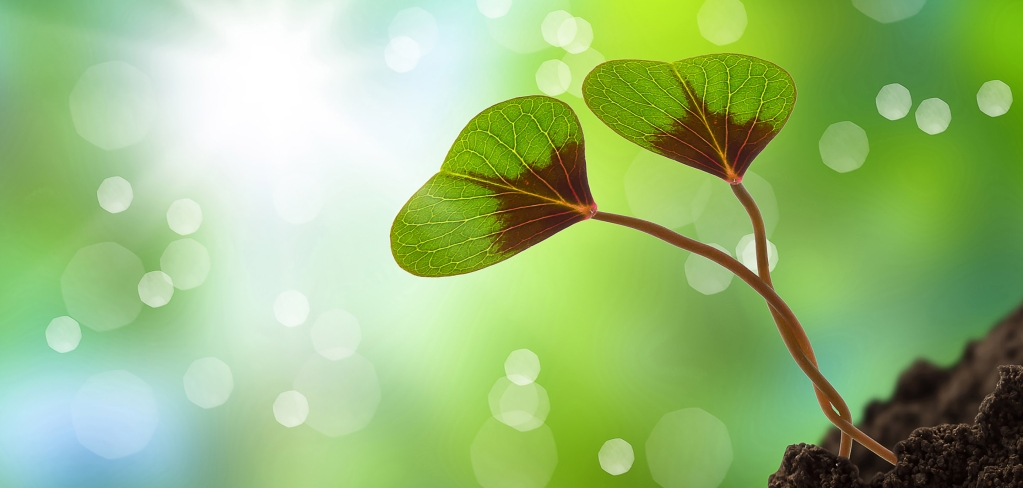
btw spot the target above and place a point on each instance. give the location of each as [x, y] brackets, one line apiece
[777, 305]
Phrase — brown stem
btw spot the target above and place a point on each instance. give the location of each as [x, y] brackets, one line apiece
[776, 303]
[764, 270]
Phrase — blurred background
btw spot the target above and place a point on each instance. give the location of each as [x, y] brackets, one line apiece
[211, 179]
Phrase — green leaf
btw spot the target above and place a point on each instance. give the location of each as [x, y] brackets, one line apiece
[515, 176]
[714, 112]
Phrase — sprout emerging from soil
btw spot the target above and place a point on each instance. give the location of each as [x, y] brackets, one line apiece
[516, 175]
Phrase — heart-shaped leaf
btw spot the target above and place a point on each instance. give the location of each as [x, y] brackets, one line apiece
[714, 112]
[515, 176]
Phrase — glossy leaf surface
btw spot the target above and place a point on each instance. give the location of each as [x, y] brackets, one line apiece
[714, 112]
[515, 176]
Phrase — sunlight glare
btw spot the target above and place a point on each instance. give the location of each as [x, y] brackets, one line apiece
[260, 92]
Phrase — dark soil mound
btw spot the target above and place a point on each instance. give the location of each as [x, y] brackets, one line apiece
[986, 454]
[927, 396]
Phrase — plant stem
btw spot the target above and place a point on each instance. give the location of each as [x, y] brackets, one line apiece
[764, 270]
[775, 302]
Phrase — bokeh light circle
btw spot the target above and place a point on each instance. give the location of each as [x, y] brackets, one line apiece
[661, 190]
[689, 448]
[291, 308]
[553, 77]
[115, 194]
[343, 395]
[291, 409]
[844, 146]
[416, 24]
[156, 289]
[579, 65]
[720, 217]
[114, 414]
[100, 286]
[494, 9]
[893, 101]
[933, 116]
[722, 22]
[582, 38]
[616, 457]
[888, 11]
[519, 29]
[746, 253]
[336, 334]
[63, 334]
[208, 382]
[187, 262]
[558, 28]
[706, 276]
[184, 216]
[994, 98]
[402, 54]
[522, 367]
[522, 407]
[503, 457]
[113, 105]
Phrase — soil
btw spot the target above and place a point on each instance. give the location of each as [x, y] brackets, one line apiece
[946, 450]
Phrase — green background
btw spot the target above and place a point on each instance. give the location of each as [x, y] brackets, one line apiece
[910, 256]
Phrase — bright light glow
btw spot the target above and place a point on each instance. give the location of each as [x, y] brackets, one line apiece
[259, 93]
[616, 457]
[933, 116]
[844, 146]
[298, 199]
[63, 334]
[114, 194]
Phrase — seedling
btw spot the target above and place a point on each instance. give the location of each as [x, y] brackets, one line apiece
[516, 175]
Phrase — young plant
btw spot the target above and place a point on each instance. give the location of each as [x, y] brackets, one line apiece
[516, 175]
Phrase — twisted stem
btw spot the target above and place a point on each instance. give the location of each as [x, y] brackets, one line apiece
[774, 301]
[764, 270]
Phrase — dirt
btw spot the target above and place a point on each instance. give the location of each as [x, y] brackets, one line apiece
[949, 449]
